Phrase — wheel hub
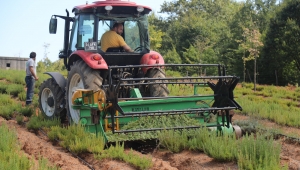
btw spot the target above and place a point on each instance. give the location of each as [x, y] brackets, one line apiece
[50, 101]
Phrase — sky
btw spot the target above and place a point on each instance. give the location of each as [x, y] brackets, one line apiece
[25, 25]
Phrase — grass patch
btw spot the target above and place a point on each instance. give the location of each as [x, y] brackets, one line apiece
[10, 155]
[19, 118]
[26, 111]
[76, 139]
[44, 164]
[251, 152]
[37, 122]
[169, 139]
[22, 96]
[14, 89]
[117, 152]
[258, 153]
[221, 147]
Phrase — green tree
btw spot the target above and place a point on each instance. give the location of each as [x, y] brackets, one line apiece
[202, 24]
[155, 38]
[252, 45]
[172, 57]
[282, 51]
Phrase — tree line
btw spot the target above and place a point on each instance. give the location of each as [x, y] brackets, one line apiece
[257, 40]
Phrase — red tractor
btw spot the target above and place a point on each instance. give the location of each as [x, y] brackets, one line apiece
[89, 67]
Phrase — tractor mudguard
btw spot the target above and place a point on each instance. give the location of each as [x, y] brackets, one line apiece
[151, 58]
[93, 60]
[59, 79]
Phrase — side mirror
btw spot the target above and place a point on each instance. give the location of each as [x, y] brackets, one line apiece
[53, 25]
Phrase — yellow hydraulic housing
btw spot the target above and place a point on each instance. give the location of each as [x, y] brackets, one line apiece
[89, 98]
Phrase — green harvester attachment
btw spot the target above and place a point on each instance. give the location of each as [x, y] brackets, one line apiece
[128, 108]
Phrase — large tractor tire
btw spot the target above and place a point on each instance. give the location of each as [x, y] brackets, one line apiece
[159, 89]
[81, 76]
[51, 100]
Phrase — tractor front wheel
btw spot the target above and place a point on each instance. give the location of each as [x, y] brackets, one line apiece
[159, 89]
[80, 76]
[51, 100]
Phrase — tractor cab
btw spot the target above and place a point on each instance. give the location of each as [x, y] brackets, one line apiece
[91, 21]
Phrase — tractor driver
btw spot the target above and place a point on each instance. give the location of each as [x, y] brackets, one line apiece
[113, 38]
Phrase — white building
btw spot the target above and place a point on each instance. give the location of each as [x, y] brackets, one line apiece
[12, 63]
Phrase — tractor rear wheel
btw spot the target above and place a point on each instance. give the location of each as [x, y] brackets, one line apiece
[51, 100]
[80, 76]
[159, 89]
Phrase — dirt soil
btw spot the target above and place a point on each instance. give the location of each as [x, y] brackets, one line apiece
[35, 145]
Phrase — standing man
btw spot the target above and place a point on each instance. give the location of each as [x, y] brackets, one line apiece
[113, 38]
[31, 77]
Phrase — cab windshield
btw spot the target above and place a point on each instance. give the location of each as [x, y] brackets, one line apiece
[135, 31]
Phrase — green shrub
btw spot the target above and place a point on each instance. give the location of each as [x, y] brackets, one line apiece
[37, 122]
[171, 73]
[22, 96]
[258, 153]
[7, 111]
[34, 123]
[14, 89]
[169, 139]
[18, 77]
[117, 152]
[6, 99]
[77, 139]
[3, 86]
[221, 147]
[26, 111]
[247, 126]
[197, 140]
[19, 118]
[10, 155]
[43, 164]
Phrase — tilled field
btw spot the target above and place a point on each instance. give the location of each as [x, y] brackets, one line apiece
[35, 145]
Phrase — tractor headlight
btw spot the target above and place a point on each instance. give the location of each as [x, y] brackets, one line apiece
[140, 9]
[108, 8]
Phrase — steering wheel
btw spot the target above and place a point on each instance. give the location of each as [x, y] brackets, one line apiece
[137, 49]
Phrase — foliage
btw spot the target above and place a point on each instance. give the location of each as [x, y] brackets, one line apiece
[278, 104]
[251, 151]
[22, 96]
[247, 126]
[43, 164]
[77, 139]
[7, 106]
[46, 65]
[169, 139]
[151, 122]
[19, 118]
[281, 46]
[37, 122]
[258, 153]
[219, 31]
[172, 57]
[221, 147]
[10, 155]
[117, 152]
[26, 111]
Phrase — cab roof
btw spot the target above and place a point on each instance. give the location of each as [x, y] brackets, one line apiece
[118, 7]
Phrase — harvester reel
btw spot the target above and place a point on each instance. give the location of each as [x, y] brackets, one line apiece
[223, 92]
